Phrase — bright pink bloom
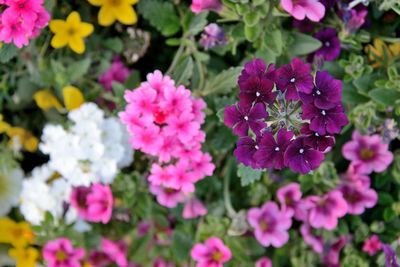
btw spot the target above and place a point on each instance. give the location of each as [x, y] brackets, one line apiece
[116, 250]
[354, 177]
[182, 126]
[158, 82]
[61, 253]
[264, 262]
[99, 259]
[271, 225]
[372, 245]
[289, 195]
[193, 208]
[213, 253]
[25, 9]
[183, 178]
[167, 197]
[142, 101]
[300, 9]
[176, 100]
[117, 72]
[331, 255]
[326, 210]
[43, 18]
[161, 175]
[358, 198]
[368, 153]
[160, 262]
[316, 242]
[203, 5]
[93, 203]
[202, 166]
[147, 139]
[198, 106]
[14, 29]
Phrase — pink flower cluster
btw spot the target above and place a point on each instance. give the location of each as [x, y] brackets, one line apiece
[93, 203]
[118, 72]
[213, 253]
[164, 121]
[22, 20]
[61, 253]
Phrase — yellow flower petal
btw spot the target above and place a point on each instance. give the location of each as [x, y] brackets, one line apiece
[24, 257]
[96, 2]
[73, 97]
[132, 2]
[395, 49]
[77, 44]
[85, 29]
[4, 127]
[106, 17]
[5, 226]
[46, 100]
[57, 25]
[74, 19]
[59, 40]
[126, 15]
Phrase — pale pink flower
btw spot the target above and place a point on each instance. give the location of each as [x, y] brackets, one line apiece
[204, 5]
[167, 197]
[368, 153]
[213, 253]
[289, 195]
[161, 175]
[61, 253]
[358, 199]
[116, 250]
[331, 254]
[315, 242]
[300, 9]
[193, 208]
[264, 262]
[270, 224]
[372, 245]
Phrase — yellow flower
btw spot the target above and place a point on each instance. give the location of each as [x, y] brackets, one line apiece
[17, 234]
[70, 32]
[46, 100]
[380, 54]
[4, 126]
[112, 10]
[25, 257]
[73, 97]
[21, 137]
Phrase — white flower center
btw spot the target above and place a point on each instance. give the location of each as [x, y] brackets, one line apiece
[258, 94]
[318, 92]
[293, 80]
[246, 118]
[277, 149]
[323, 112]
[301, 151]
[316, 134]
[256, 147]
[327, 44]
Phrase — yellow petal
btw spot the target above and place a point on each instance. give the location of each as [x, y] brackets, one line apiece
[96, 2]
[74, 19]
[31, 143]
[106, 16]
[73, 97]
[132, 2]
[46, 100]
[85, 29]
[59, 40]
[77, 44]
[4, 127]
[395, 49]
[126, 15]
[25, 257]
[57, 25]
[5, 226]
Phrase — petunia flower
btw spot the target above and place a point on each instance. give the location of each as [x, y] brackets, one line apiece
[193, 208]
[212, 253]
[111, 11]
[358, 199]
[270, 224]
[241, 117]
[367, 153]
[271, 152]
[293, 78]
[302, 158]
[264, 262]
[99, 258]
[116, 250]
[372, 245]
[70, 32]
[289, 195]
[204, 5]
[331, 254]
[300, 9]
[315, 242]
[330, 49]
[315, 140]
[212, 36]
[167, 196]
[60, 252]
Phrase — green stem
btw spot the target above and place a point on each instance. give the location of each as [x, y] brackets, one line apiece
[227, 199]
[176, 58]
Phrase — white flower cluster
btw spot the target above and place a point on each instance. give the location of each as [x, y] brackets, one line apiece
[92, 149]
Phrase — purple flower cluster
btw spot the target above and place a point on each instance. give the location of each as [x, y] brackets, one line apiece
[284, 118]
[212, 36]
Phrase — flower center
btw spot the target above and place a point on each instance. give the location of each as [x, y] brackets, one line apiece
[318, 92]
[160, 116]
[293, 80]
[277, 149]
[327, 44]
[114, 2]
[366, 154]
[71, 32]
[263, 226]
[258, 94]
[21, 6]
[60, 256]
[323, 112]
[17, 233]
[217, 256]
[301, 150]
[246, 118]
[256, 147]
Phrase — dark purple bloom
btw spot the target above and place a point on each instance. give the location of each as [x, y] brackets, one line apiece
[304, 25]
[212, 36]
[328, 3]
[315, 140]
[293, 78]
[271, 152]
[330, 49]
[302, 158]
[245, 150]
[390, 256]
[324, 121]
[258, 90]
[256, 68]
[241, 117]
[326, 93]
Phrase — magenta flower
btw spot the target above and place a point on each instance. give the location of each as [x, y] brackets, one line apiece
[264, 262]
[390, 256]
[60, 252]
[13, 29]
[326, 210]
[367, 153]
[245, 152]
[241, 117]
[212, 36]
[271, 153]
[356, 179]
[99, 259]
[26, 9]
[304, 25]
[117, 72]
[355, 18]
[315, 242]
[330, 49]
[315, 140]
[160, 262]
[176, 100]
[147, 139]
[327, 92]
[270, 224]
[331, 255]
[203, 5]
[193, 208]
[372, 245]
[202, 166]
[289, 195]
[212, 253]
[300, 9]
[142, 101]
[182, 177]
[301, 158]
[256, 68]
[167, 196]
[116, 250]
[293, 78]
[182, 126]
[358, 198]
[325, 121]
[161, 175]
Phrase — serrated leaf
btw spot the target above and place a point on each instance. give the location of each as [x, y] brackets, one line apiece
[161, 15]
[198, 23]
[248, 175]
[183, 71]
[78, 69]
[224, 82]
[303, 44]
[7, 52]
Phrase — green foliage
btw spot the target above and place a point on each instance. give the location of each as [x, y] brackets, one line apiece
[223, 83]
[7, 52]
[248, 175]
[303, 44]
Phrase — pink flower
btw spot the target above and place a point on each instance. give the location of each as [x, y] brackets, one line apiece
[142, 100]
[355, 178]
[202, 166]
[26, 9]
[193, 208]
[61, 253]
[300, 9]
[264, 262]
[289, 195]
[158, 82]
[316, 242]
[161, 175]
[183, 126]
[271, 225]
[330, 256]
[203, 5]
[198, 106]
[326, 210]
[358, 198]
[367, 153]
[183, 178]
[99, 259]
[116, 250]
[43, 18]
[117, 72]
[213, 253]
[177, 100]
[372, 245]
[166, 196]
[147, 139]
[14, 29]
[93, 203]
[160, 262]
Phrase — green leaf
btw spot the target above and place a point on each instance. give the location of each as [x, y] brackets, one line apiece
[133, 80]
[181, 245]
[198, 23]
[252, 32]
[303, 44]
[386, 97]
[173, 41]
[114, 44]
[248, 175]
[77, 70]
[183, 71]
[224, 82]
[385, 199]
[251, 18]
[161, 15]
[7, 52]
